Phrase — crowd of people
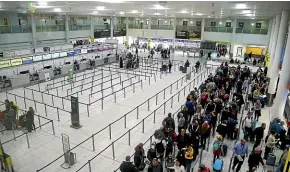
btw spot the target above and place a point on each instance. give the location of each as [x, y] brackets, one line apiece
[214, 107]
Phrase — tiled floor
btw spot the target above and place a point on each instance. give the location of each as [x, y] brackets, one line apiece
[45, 147]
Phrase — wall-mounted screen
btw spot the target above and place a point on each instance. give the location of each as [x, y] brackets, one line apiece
[16, 62]
[4, 63]
[77, 51]
[70, 53]
[63, 54]
[46, 56]
[54, 55]
[37, 58]
[27, 60]
[84, 51]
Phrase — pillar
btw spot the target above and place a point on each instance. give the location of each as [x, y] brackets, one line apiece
[269, 34]
[92, 36]
[127, 36]
[202, 28]
[274, 43]
[33, 30]
[276, 61]
[233, 35]
[66, 29]
[282, 92]
[149, 33]
[112, 27]
[174, 35]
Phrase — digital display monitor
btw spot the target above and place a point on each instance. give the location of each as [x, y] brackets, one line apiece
[54, 55]
[63, 54]
[37, 58]
[46, 57]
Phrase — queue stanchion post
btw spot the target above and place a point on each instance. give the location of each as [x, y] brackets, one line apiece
[27, 139]
[110, 131]
[88, 110]
[156, 98]
[115, 97]
[200, 157]
[171, 89]
[124, 92]
[141, 84]
[113, 148]
[25, 103]
[13, 130]
[93, 142]
[177, 85]
[148, 104]
[52, 100]
[90, 167]
[45, 108]
[129, 137]
[52, 125]
[164, 94]
[39, 121]
[143, 127]
[154, 116]
[164, 105]
[171, 101]
[178, 96]
[125, 121]
[57, 110]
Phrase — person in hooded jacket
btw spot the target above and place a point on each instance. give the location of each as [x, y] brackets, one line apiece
[170, 121]
[127, 166]
[182, 139]
[139, 155]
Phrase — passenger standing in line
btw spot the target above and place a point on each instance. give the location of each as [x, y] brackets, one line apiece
[258, 107]
[169, 66]
[254, 159]
[127, 166]
[270, 144]
[205, 133]
[155, 166]
[181, 123]
[259, 133]
[240, 152]
[188, 157]
[190, 109]
[30, 120]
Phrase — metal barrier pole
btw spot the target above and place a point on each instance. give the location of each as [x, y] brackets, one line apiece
[88, 110]
[164, 107]
[177, 85]
[90, 168]
[52, 127]
[148, 104]
[110, 131]
[134, 88]
[141, 84]
[156, 98]
[154, 114]
[137, 112]
[160, 76]
[39, 122]
[57, 113]
[52, 100]
[124, 92]
[184, 91]
[178, 96]
[102, 100]
[197, 80]
[62, 103]
[164, 94]
[93, 140]
[181, 81]
[13, 130]
[129, 134]
[125, 121]
[115, 96]
[171, 101]
[155, 77]
[143, 126]
[149, 81]
[113, 148]
[171, 89]
[45, 109]
[25, 103]
[200, 157]
[27, 140]
[230, 164]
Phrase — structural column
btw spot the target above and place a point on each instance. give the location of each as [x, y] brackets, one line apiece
[66, 29]
[33, 30]
[112, 27]
[92, 36]
[233, 35]
[202, 28]
[174, 35]
[273, 44]
[276, 61]
[127, 36]
[270, 27]
[284, 81]
[271, 36]
[149, 33]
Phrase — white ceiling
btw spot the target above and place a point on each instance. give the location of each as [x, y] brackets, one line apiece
[179, 9]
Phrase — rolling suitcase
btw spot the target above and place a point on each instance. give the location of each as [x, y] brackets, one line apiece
[271, 159]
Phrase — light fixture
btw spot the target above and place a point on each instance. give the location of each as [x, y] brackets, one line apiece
[165, 21]
[95, 12]
[122, 12]
[134, 11]
[57, 9]
[191, 22]
[252, 24]
[246, 11]
[250, 15]
[208, 16]
[198, 14]
[253, 18]
[220, 23]
[159, 7]
[183, 11]
[156, 14]
[42, 3]
[100, 8]
[241, 6]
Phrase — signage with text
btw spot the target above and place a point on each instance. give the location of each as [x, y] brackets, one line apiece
[101, 33]
[4, 63]
[46, 57]
[16, 62]
[63, 54]
[75, 115]
[27, 60]
[37, 58]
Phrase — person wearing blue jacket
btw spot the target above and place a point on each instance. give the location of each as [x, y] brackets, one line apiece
[218, 165]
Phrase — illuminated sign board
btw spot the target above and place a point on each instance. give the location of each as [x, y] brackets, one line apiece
[27, 60]
[4, 63]
[16, 62]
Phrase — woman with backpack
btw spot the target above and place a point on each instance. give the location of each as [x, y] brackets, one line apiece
[217, 147]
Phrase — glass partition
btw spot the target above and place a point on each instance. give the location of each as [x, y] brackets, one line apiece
[162, 27]
[252, 31]
[15, 29]
[102, 26]
[188, 28]
[138, 26]
[79, 27]
[120, 26]
[218, 29]
[50, 28]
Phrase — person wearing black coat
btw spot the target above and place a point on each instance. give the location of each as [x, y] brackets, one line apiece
[259, 133]
[139, 155]
[182, 140]
[155, 166]
[127, 166]
[254, 159]
[222, 129]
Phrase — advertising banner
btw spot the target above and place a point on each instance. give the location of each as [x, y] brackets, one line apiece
[27, 60]
[16, 62]
[181, 35]
[63, 54]
[84, 51]
[194, 34]
[77, 51]
[70, 53]
[118, 32]
[101, 33]
[4, 63]
[54, 55]
[37, 58]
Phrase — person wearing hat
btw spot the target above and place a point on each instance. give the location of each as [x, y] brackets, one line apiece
[203, 168]
[283, 159]
[127, 166]
[255, 158]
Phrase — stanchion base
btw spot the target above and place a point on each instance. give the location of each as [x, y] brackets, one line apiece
[76, 127]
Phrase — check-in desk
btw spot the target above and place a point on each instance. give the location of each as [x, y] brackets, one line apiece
[20, 80]
[65, 68]
[43, 72]
[84, 65]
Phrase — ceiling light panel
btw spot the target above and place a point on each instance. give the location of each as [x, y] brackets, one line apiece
[199, 14]
[42, 3]
[183, 11]
[159, 7]
[241, 6]
[100, 8]
[57, 9]
[246, 11]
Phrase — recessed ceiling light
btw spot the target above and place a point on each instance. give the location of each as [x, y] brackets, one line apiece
[183, 11]
[156, 14]
[252, 24]
[134, 11]
[220, 23]
[250, 15]
[57, 9]
[198, 14]
[246, 11]
[241, 6]
[95, 12]
[191, 22]
[122, 12]
[159, 7]
[100, 8]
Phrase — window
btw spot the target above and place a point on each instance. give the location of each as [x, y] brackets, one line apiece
[241, 24]
[147, 22]
[159, 22]
[198, 23]
[228, 24]
[258, 25]
[184, 23]
[171, 22]
[213, 24]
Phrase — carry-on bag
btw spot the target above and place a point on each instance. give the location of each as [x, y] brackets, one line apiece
[271, 159]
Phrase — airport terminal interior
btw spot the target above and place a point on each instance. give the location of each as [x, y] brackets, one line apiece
[151, 86]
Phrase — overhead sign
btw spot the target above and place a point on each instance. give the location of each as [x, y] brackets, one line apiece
[4, 63]
[16, 62]
[46, 57]
[54, 55]
[63, 54]
[101, 33]
[121, 32]
[77, 51]
[27, 60]
[84, 51]
[181, 35]
[70, 53]
[37, 58]
[75, 115]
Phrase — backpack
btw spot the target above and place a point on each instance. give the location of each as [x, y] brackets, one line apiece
[160, 147]
[216, 146]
